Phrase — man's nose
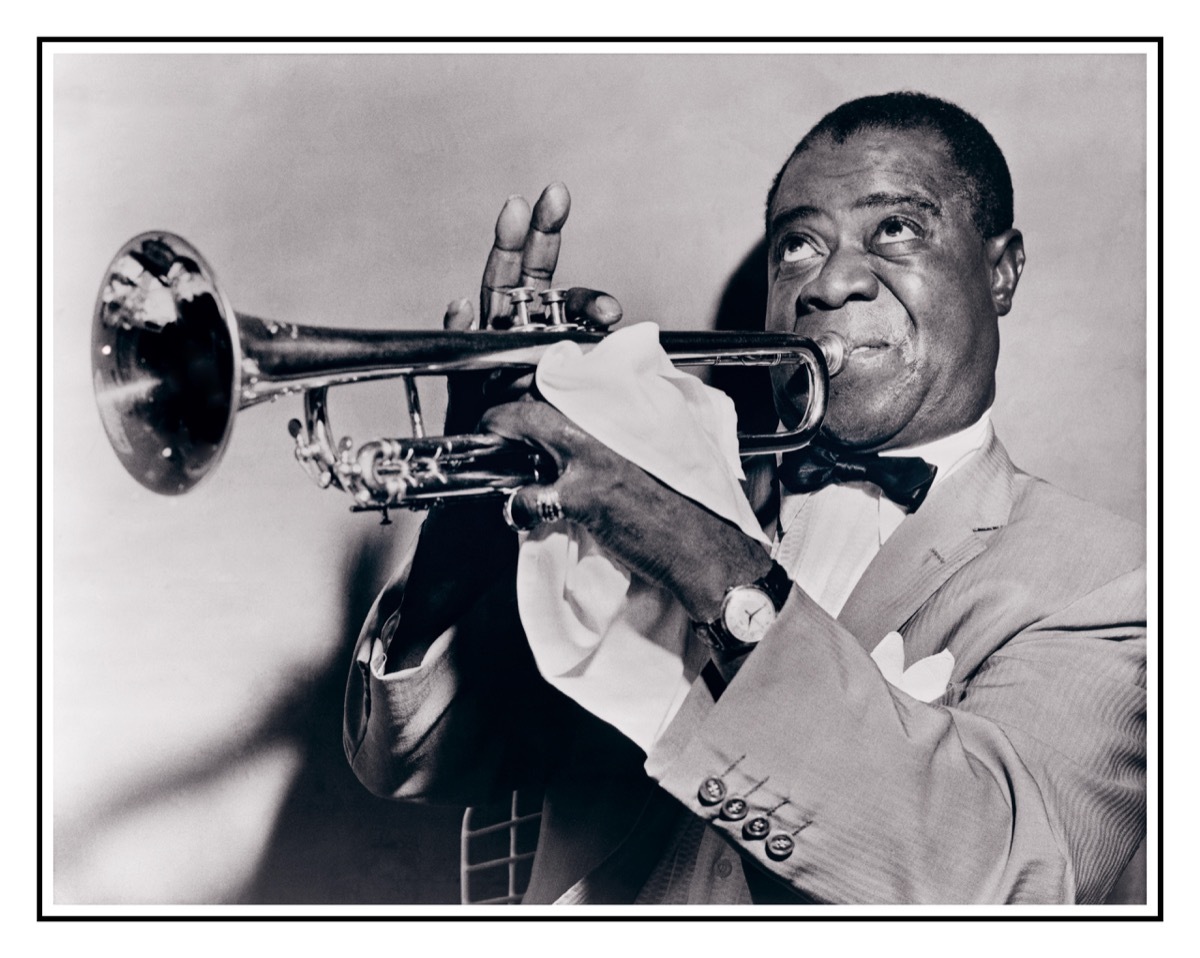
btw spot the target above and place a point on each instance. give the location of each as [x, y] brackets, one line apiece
[845, 275]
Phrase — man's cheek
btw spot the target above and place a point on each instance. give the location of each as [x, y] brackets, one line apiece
[869, 406]
[906, 291]
[781, 310]
[783, 301]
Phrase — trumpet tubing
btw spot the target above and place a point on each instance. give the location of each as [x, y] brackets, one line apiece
[172, 364]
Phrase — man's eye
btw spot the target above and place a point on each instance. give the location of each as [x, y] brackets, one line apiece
[797, 249]
[897, 231]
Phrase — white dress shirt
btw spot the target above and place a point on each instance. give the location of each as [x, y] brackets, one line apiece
[826, 539]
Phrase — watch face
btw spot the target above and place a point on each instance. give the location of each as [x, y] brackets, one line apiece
[748, 613]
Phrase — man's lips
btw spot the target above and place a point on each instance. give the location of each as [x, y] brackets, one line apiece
[863, 342]
[866, 349]
[862, 351]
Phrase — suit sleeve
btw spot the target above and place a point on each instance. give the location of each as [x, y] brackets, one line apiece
[468, 725]
[1025, 785]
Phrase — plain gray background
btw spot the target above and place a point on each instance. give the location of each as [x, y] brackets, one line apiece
[361, 190]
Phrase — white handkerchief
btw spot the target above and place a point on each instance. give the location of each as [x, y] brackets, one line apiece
[627, 394]
[925, 680]
[615, 644]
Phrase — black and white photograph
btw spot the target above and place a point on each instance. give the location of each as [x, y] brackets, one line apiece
[677, 479]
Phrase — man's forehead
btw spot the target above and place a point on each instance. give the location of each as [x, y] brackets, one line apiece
[866, 169]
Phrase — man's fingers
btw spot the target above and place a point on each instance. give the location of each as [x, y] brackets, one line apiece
[503, 269]
[589, 306]
[534, 504]
[592, 307]
[460, 314]
[536, 423]
[525, 253]
[540, 254]
[551, 209]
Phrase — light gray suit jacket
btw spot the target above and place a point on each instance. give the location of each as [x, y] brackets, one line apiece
[1024, 782]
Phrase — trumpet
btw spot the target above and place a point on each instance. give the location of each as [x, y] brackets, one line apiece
[172, 365]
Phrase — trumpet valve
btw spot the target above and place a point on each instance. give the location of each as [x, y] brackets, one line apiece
[553, 306]
[308, 454]
[521, 297]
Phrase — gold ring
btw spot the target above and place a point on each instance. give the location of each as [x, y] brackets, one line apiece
[508, 516]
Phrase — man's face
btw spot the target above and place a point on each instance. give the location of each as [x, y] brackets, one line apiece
[873, 240]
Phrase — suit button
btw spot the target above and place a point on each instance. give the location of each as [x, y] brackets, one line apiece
[734, 809]
[724, 868]
[756, 828]
[780, 847]
[712, 790]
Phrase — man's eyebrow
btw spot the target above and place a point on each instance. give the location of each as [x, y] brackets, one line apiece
[880, 200]
[791, 214]
[876, 200]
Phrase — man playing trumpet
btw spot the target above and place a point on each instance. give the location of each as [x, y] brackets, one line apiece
[934, 699]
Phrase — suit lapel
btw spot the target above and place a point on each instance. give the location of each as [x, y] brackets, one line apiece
[950, 529]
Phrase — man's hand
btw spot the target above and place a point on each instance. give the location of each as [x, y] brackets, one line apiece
[663, 536]
[465, 547]
[524, 253]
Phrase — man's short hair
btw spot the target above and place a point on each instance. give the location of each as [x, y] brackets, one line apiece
[973, 151]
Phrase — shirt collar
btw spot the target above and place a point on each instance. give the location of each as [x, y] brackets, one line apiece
[949, 452]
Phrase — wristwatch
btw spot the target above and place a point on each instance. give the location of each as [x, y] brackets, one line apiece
[747, 611]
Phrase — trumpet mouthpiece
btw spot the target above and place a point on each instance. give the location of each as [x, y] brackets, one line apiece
[834, 348]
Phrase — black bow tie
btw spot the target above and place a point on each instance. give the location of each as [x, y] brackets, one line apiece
[904, 479]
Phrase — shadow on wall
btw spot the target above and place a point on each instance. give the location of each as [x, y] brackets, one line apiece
[742, 308]
[333, 841]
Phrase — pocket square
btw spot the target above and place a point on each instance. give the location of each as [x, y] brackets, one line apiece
[925, 680]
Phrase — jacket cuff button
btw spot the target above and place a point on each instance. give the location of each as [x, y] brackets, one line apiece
[734, 809]
[756, 829]
[780, 847]
[712, 790]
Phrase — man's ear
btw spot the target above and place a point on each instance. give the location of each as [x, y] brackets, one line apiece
[1005, 253]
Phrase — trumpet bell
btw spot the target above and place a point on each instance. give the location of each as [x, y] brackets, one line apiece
[173, 364]
[165, 362]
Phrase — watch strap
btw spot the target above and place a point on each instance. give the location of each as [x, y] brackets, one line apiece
[776, 583]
